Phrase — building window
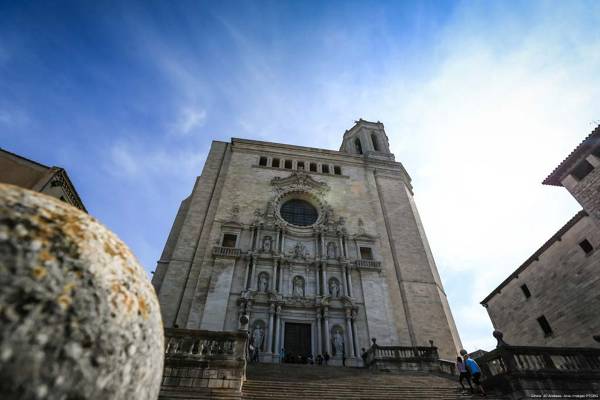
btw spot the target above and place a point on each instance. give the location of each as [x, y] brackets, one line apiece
[358, 146]
[375, 143]
[300, 165]
[299, 212]
[337, 170]
[526, 291]
[582, 169]
[313, 167]
[275, 163]
[596, 152]
[545, 325]
[262, 161]
[325, 168]
[366, 253]
[586, 246]
[229, 240]
[288, 164]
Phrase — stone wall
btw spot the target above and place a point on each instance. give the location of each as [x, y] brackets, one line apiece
[564, 284]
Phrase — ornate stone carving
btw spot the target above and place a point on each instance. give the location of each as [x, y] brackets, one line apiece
[263, 282]
[300, 251]
[331, 250]
[298, 284]
[337, 341]
[334, 287]
[258, 334]
[267, 243]
[299, 180]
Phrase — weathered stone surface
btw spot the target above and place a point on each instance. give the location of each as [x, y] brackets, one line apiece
[78, 318]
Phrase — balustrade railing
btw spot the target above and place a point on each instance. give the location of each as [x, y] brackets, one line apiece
[526, 359]
[423, 358]
[370, 264]
[226, 251]
[204, 345]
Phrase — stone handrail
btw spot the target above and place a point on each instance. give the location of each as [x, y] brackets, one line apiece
[226, 251]
[204, 345]
[400, 353]
[521, 371]
[523, 359]
[203, 363]
[368, 264]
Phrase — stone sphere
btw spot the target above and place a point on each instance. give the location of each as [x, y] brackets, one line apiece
[78, 316]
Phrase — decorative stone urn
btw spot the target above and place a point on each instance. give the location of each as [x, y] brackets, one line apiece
[78, 316]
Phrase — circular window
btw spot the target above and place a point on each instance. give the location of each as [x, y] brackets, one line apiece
[299, 212]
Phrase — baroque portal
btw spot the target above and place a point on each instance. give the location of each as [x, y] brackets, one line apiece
[325, 250]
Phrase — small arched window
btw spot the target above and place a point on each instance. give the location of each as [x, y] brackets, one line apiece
[375, 143]
[358, 146]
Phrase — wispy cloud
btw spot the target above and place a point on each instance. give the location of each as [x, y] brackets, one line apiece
[189, 120]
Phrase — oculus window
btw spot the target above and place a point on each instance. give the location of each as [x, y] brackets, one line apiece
[299, 212]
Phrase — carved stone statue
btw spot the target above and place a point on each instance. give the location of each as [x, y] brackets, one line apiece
[331, 250]
[300, 250]
[258, 336]
[334, 288]
[263, 282]
[298, 286]
[338, 342]
[267, 244]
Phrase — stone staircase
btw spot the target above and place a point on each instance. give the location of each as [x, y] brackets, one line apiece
[295, 382]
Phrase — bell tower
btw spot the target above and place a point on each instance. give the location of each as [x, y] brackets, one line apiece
[368, 139]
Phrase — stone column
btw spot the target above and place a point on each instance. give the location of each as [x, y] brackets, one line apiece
[247, 273]
[319, 335]
[323, 249]
[340, 251]
[282, 250]
[318, 279]
[272, 285]
[253, 281]
[280, 277]
[345, 242]
[344, 281]
[327, 339]
[277, 329]
[349, 335]
[354, 335]
[349, 280]
[276, 248]
[253, 241]
[270, 330]
[324, 271]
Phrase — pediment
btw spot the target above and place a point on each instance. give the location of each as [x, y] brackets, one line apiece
[299, 180]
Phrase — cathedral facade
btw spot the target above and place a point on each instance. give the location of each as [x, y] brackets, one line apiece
[323, 250]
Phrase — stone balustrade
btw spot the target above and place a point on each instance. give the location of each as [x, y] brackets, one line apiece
[219, 251]
[203, 361]
[522, 371]
[368, 264]
[404, 358]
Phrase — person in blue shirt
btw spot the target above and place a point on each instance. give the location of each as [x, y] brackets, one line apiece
[475, 372]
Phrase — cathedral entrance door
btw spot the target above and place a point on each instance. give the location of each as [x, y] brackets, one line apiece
[297, 341]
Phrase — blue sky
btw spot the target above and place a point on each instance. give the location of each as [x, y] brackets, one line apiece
[480, 101]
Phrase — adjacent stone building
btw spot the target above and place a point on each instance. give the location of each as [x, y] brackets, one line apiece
[322, 249]
[52, 181]
[553, 299]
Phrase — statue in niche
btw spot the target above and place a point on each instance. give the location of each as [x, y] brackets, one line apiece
[267, 241]
[300, 250]
[258, 336]
[263, 282]
[235, 212]
[334, 288]
[361, 226]
[338, 342]
[298, 286]
[331, 250]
